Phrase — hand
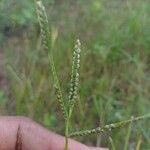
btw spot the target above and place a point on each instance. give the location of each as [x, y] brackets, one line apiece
[20, 133]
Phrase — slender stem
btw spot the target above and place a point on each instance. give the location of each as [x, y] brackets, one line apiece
[66, 133]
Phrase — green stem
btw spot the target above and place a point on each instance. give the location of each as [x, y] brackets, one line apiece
[66, 133]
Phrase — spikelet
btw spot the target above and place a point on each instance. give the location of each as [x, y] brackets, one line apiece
[74, 76]
[46, 40]
[108, 127]
[43, 21]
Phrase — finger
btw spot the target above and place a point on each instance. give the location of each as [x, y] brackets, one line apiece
[18, 132]
[36, 137]
[5, 142]
[31, 136]
[8, 132]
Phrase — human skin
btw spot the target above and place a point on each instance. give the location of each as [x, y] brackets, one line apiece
[21, 133]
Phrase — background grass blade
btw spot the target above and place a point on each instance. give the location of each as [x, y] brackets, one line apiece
[128, 137]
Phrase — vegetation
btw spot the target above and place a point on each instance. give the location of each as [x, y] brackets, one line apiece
[114, 78]
[67, 107]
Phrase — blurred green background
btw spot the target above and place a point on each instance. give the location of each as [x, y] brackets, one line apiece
[115, 66]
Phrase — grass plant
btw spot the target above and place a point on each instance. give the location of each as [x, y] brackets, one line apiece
[67, 105]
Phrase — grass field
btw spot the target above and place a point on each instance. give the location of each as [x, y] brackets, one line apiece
[115, 66]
